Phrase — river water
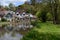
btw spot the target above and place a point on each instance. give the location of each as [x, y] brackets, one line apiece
[11, 33]
[11, 36]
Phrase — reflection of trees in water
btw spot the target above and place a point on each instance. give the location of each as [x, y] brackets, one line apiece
[2, 33]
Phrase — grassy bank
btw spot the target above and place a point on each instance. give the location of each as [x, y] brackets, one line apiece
[44, 31]
[3, 23]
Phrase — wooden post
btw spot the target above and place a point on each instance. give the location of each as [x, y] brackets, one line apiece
[29, 20]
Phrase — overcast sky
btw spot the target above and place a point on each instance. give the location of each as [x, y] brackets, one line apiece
[15, 2]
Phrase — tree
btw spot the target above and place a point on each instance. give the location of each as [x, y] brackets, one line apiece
[12, 7]
[33, 2]
[6, 7]
[54, 5]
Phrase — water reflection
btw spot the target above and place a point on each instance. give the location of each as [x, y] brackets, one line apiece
[9, 36]
[8, 32]
[18, 27]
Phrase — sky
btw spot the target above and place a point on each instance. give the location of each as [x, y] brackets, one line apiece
[15, 2]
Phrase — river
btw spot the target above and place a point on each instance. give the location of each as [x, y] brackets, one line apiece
[11, 36]
[12, 33]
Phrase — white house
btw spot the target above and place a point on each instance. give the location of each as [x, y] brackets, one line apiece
[8, 15]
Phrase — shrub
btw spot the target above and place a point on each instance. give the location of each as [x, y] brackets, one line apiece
[49, 17]
[3, 20]
[33, 23]
[36, 23]
[43, 16]
[38, 14]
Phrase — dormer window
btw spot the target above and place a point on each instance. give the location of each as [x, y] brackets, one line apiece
[23, 13]
[17, 14]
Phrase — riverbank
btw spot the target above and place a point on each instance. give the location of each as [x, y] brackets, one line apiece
[44, 31]
[3, 23]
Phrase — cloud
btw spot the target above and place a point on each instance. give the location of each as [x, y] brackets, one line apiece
[16, 2]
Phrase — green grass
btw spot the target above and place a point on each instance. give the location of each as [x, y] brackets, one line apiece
[44, 31]
[48, 27]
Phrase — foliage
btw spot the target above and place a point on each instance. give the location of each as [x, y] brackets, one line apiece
[26, 7]
[38, 14]
[35, 35]
[36, 23]
[3, 20]
[51, 6]
[6, 7]
[33, 2]
[49, 17]
[43, 16]
[12, 7]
